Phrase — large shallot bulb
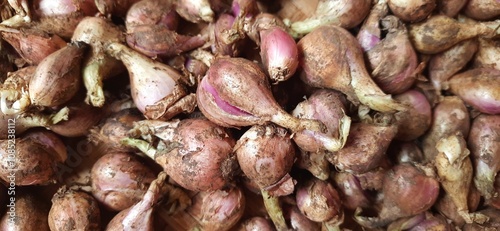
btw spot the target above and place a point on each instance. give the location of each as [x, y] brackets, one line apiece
[196, 153]
[440, 32]
[479, 88]
[343, 13]
[412, 11]
[403, 181]
[156, 88]
[331, 57]
[482, 9]
[195, 11]
[484, 145]
[248, 100]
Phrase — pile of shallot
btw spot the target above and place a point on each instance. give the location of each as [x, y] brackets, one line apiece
[250, 115]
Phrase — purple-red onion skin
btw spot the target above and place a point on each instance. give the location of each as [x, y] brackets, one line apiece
[365, 147]
[218, 210]
[405, 152]
[412, 11]
[484, 145]
[351, 193]
[74, 210]
[82, 117]
[417, 119]
[58, 77]
[299, 221]
[482, 9]
[279, 53]
[265, 154]
[478, 87]
[327, 106]
[202, 160]
[152, 12]
[448, 116]
[195, 11]
[48, 8]
[319, 201]
[119, 180]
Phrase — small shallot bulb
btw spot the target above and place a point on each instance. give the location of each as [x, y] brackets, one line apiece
[279, 53]
[344, 13]
[97, 65]
[155, 87]
[448, 116]
[365, 147]
[393, 61]
[218, 210]
[349, 187]
[248, 100]
[331, 57]
[417, 119]
[266, 155]
[440, 32]
[479, 88]
[454, 168]
[74, 210]
[152, 12]
[446, 206]
[403, 181]
[319, 201]
[119, 180]
[482, 9]
[444, 65]
[197, 153]
[412, 11]
[195, 11]
[484, 144]
[30, 214]
[31, 44]
[58, 76]
[42, 151]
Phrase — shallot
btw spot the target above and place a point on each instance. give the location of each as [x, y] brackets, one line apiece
[482, 9]
[479, 88]
[235, 92]
[74, 210]
[412, 11]
[417, 119]
[256, 224]
[29, 213]
[279, 53]
[152, 12]
[451, 8]
[484, 145]
[195, 11]
[331, 57]
[487, 54]
[156, 88]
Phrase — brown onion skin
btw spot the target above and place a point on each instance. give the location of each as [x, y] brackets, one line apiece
[60, 70]
[82, 117]
[29, 152]
[200, 158]
[119, 180]
[445, 206]
[365, 147]
[417, 119]
[484, 145]
[492, 224]
[448, 116]
[265, 154]
[482, 9]
[218, 210]
[487, 53]
[256, 224]
[31, 213]
[478, 87]
[319, 201]
[33, 45]
[451, 8]
[412, 11]
[74, 210]
[442, 66]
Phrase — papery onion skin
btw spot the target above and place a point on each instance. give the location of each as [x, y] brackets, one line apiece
[119, 180]
[448, 116]
[331, 57]
[218, 210]
[417, 119]
[74, 210]
[482, 9]
[484, 144]
[412, 11]
[60, 70]
[478, 87]
[200, 155]
[444, 65]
